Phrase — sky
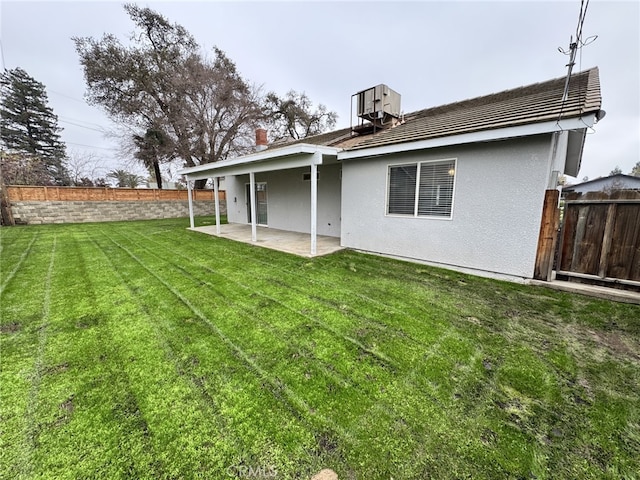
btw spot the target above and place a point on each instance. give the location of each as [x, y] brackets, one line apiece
[432, 53]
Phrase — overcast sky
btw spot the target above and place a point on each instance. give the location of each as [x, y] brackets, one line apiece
[432, 53]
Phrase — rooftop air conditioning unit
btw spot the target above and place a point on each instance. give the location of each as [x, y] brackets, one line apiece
[378, 104]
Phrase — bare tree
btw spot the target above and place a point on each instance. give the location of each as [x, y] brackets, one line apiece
[161, 82]
[85, 168]
[294, 117]
[25, 169]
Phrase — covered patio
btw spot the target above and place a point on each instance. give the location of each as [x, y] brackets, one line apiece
[289, 157]
[280, 240]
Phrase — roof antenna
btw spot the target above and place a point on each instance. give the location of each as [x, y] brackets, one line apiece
[574, 46]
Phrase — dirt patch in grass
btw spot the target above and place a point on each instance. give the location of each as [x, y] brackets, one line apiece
[87, 321]
[67, 407]
[55, 369]
[616, 344]
[10, 327]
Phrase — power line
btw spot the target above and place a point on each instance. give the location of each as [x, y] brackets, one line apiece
[575, 46]
[92, 146]
[71, 119]
[101, 130]
[67, 96]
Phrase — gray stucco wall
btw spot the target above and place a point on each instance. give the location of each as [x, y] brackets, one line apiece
[30, 212]
[289, 199]
[498, 197]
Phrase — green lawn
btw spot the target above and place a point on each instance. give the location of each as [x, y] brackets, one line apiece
[143, 350]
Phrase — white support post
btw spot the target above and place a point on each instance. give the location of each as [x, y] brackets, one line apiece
[314, 205]
[217, 204]
[252, 200]
[190, 196]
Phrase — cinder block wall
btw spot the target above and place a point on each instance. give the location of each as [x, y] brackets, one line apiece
[38, 212]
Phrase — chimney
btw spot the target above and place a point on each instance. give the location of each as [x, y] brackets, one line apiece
[261, 139]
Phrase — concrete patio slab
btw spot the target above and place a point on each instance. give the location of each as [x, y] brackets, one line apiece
[281, 240]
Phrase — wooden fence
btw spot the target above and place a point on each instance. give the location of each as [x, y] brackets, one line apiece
[102, 194]
[600, 238]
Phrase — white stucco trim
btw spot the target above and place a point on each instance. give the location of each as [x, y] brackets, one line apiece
[586, 121]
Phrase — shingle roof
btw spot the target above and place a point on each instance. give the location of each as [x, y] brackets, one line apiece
[530, 104]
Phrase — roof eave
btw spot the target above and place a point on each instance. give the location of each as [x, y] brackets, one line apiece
[576, 123]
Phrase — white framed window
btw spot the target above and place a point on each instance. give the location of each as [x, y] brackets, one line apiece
[421, 189]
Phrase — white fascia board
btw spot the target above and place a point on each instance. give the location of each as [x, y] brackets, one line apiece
[267, 165]
[208, 170]
[473, 137]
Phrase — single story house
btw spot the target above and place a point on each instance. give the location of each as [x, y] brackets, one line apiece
[460, 185]
[605, 184]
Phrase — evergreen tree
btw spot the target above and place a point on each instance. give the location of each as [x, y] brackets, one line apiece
[28, 126]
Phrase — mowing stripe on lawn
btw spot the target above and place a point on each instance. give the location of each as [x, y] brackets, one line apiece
[252, 290]
[21, 312]
[17, 266]
[477, 356]
[26, 460]
[312, 277]
[289, 288]
[232, 398]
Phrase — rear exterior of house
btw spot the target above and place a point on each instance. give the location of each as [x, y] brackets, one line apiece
[461, 185]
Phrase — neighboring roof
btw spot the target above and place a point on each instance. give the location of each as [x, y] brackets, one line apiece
[540, 102]
[617, 178]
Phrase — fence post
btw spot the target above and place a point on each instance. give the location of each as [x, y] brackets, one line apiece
[548, 236]
[606, 240]
[5, 204]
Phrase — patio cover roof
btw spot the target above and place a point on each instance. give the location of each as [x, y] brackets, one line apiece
[290, 156]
